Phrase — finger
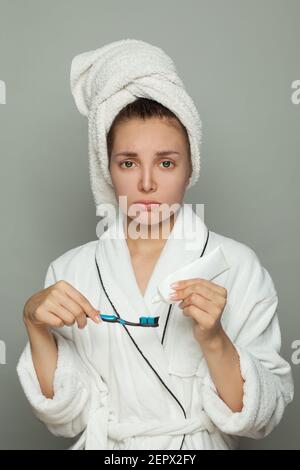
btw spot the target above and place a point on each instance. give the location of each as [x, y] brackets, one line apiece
[211, 296]
[43, 317]
[202, 303]
[216, 287]
[200, 316]
[209, 284]
[68, 317]
[55, 307]
[86, 306]
[74, 308]
[199, 288]
[62, 298]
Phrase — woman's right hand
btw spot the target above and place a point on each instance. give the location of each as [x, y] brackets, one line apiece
[58, 305]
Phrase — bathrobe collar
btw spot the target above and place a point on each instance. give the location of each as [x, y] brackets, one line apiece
[185, 244]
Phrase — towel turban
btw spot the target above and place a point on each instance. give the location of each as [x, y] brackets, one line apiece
[105, 80]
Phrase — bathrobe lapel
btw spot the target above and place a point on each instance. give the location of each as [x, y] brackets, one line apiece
[184, 245]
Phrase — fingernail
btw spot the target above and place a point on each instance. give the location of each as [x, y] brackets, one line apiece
[97, 319]
[173, 295]
[174, 284]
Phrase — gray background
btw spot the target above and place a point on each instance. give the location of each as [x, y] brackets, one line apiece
[237, 60]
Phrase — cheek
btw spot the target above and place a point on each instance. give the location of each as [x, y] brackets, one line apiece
[123, 183]
[172, 183]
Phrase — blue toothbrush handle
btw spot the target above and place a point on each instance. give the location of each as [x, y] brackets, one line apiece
[143, 321]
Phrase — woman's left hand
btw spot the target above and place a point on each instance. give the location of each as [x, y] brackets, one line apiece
[204, 301]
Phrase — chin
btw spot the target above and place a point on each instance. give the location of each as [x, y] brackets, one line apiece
[150, 218]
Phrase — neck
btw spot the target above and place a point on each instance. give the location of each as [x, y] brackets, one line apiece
[156, 237]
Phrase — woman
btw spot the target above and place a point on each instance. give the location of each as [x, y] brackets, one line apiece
[194, 370]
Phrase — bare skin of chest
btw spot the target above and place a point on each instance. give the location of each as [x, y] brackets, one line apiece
[143, 267]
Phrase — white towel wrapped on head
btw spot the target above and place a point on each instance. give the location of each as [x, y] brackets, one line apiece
[105, 80]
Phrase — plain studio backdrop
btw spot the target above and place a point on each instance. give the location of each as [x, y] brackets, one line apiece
[238, 60]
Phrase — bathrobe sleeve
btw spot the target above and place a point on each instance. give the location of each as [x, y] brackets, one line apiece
[268, 386]
[67, 413]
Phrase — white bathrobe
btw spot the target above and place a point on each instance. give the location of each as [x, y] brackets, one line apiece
[130, 387]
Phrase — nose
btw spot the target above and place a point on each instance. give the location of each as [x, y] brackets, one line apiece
[147, 181]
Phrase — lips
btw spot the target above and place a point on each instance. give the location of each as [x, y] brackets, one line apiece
[147, 205]
[147, 202]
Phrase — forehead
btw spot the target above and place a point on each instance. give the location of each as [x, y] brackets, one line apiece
[150, 131]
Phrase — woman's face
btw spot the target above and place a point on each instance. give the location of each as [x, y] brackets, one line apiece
[149, 161]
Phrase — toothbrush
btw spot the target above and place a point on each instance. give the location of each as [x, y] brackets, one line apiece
[144, 321]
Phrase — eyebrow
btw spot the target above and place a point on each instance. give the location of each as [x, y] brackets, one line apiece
[161, 153]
